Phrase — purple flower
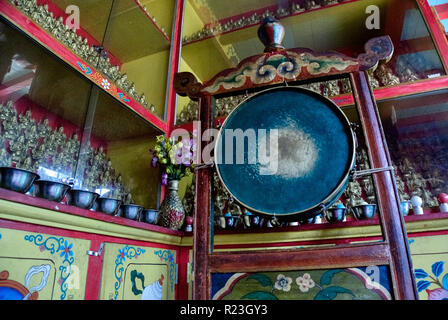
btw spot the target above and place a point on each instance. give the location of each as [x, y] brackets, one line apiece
[164, 179]
[154, 162]
[179, 156]
[187, 159]
[186, 142]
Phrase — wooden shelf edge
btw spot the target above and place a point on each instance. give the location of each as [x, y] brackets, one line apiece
[360, 255]
[322, 234]
[24, 208]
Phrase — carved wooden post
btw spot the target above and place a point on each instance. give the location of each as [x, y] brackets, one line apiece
[201, 235]
[391, 219]
[186, 84]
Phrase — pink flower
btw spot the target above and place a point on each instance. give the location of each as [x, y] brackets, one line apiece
[305, 282]
[437, 294]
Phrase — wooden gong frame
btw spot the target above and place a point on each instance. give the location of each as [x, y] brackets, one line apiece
[250, 74]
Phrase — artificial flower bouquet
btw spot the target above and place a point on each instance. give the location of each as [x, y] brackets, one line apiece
[175, 157]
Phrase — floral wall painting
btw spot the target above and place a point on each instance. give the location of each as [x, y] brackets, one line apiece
[151, 292]
[42, 266]
[369, 283]
[138, 273]
[145, 281]
[430, 262]
[435, 276]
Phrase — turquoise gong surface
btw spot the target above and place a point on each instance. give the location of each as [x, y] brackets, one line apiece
[285, 151]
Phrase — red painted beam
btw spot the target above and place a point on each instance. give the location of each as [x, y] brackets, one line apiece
[436, 29]
[442, 11]
[176, 44]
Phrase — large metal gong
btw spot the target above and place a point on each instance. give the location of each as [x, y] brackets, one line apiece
[285, 152]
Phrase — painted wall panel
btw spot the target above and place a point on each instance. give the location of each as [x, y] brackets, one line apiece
[53, 266]
[138, 273]
[430, 262]
[368, 283]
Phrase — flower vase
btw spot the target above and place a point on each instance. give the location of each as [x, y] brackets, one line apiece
[172, 213]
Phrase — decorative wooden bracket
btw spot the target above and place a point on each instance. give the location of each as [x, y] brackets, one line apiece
[186, 85]
[377, 50]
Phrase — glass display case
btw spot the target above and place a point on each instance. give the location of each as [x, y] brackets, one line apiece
[416, 132]
[93, 16]
[59, 125]
[138, 34]
[127, 41]
[217, 36]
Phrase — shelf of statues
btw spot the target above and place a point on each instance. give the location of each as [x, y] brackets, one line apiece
[217, 28]
[420, 167]
[412, 184]
[95, 55]
[36, 147]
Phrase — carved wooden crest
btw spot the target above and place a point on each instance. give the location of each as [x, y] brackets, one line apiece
[280, 65]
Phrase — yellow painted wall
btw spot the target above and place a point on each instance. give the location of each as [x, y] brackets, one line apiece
[192, 22]
[150, 76]
[132, 159]
[163, 11]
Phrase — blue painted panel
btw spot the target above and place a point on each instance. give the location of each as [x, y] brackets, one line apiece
[7, 293]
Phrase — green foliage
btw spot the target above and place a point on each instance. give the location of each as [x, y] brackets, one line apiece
[329, 293]
[326, 278]
[259, 295]
[261, 278]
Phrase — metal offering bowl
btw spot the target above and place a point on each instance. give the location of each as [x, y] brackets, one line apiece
[16, 179]
[227, 221]
[364, 211]
[52, 190]
[82, 198]
[334, 215]
[151, 216]
[132, 211]
[252, 221]
[108, 205]
[308, 221]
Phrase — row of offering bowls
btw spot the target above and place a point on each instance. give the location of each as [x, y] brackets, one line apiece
[332, 215]
[20, 180]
